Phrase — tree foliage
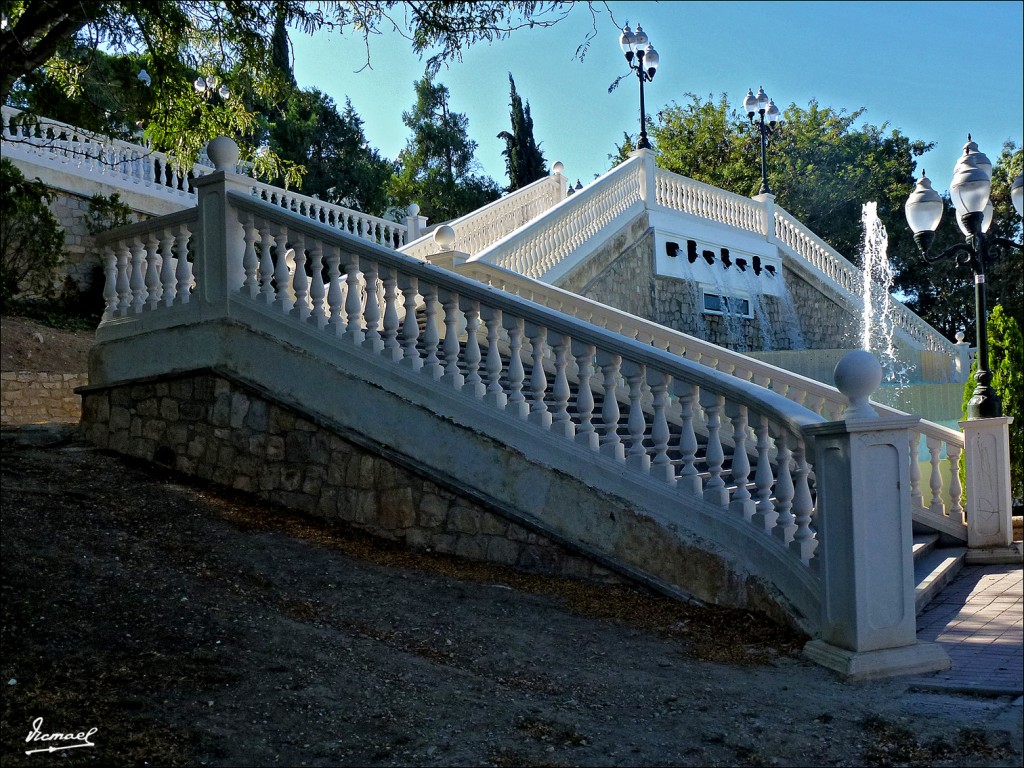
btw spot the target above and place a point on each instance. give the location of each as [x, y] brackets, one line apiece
[31, 240]
[524, 160]
[240, 43]
[1006, 359]
[438, 166]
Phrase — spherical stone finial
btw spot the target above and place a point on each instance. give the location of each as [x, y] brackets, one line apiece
[223, 152]
[557, 168]
[413, 209]
[857, 376]
[444, 236]
[960, 335]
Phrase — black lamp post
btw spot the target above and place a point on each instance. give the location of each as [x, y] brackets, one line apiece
[765, 107]
[970, 189]
[637, 46]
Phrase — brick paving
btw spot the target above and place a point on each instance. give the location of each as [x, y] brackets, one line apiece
[979, 620]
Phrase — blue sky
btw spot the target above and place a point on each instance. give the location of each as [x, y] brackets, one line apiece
[907, 63]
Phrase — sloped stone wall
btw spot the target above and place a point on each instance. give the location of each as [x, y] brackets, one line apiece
[209, 427]
[30, 397]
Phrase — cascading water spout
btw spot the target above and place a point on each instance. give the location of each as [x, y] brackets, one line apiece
[877, 323]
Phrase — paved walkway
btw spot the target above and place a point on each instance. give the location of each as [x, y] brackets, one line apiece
[979, 620]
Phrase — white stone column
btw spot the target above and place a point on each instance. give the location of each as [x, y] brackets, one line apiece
[219, 236]
[414, 222]
[989, 501]
[647, 188]
[767, 201]
[864, 528]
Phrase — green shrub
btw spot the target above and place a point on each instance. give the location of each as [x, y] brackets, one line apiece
[31, 240]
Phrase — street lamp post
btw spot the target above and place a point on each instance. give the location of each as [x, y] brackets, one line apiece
[637, 46]
[765, 107]
[970, 190]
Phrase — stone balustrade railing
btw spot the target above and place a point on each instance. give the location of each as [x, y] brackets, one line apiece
[133, 166]
[575, 223]
[476, 231]
[720, 447]
[679, 193]
[936, 501]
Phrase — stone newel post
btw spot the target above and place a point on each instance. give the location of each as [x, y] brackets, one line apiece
[219, 239]
[862, 468]
[989, 504]
[414, 222]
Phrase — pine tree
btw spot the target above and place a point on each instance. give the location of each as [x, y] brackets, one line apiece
[523, 159]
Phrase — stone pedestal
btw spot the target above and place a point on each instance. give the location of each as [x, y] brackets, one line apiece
[989, 503]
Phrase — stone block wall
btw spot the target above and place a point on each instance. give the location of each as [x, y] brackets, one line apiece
[30, 397]
[209, 427]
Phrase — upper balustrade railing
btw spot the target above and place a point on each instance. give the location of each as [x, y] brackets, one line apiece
[140, 168]
[477, 230]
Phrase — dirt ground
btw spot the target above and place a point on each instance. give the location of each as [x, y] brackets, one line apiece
[194, 626]
[29, 346]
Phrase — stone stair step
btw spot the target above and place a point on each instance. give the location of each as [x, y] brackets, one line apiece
[924, 543]
[933, 571]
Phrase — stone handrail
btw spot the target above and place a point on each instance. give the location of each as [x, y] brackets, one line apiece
[544, 245]
[819, 254]
[939, 446]
[476, 231]
[679, 193]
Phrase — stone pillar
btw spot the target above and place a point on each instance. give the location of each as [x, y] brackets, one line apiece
[864, 526]
[563, 181]
[219, 237]
[963, 359]
[989, 501]
[647, 189]
[767, 201]
[415, 223]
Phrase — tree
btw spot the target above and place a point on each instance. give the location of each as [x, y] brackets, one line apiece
[234, 41]
[437, 165]
[341, 167]
[1006, 359]
[524, 161]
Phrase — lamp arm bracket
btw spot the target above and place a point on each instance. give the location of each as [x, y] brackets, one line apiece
[951, 252]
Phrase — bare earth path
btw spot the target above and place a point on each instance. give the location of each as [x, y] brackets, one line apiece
[194, 627]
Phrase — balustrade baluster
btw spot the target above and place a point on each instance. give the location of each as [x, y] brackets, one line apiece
[167, 279]
[804, 542]
[561, 421]
[317, 289]
[585, 432]
[137, 280]
[335, 294]
[110, 271]
[661, 464]
[471, 311]
[495, 395]
[517, 405]
[741, 503]
[183, 268]
[266, 266]
[282, 277]
[153, 264]
[765, 516]
[431, 364]
[611, 445]
[916, 499]
[450, 303]
[935, 457]
[785, 523]
[688, 480]
[715, 490]
[371, 338]
[392, 348]
[539, 413]
[956, 510]
[636, 423]
[300, 280]
[250, 287]
[353, 301]
[410, 328]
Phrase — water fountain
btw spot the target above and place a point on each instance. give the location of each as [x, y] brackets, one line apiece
[877, 324]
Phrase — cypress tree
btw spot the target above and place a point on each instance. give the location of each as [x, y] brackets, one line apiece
[524, 160]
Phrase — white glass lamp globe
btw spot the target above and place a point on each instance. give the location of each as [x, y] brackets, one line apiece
[924, 207]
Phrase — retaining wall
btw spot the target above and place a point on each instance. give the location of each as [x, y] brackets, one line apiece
[30, 397]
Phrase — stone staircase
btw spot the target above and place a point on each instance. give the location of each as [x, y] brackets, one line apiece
[935, 565]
